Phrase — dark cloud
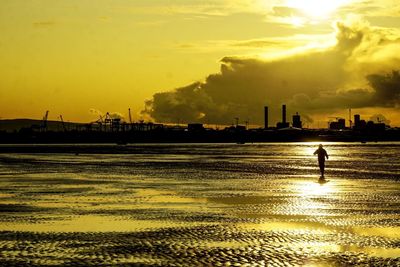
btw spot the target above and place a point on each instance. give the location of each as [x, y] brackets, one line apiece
[332, 100]
[387, 89]
[184, 104]
[309, 83]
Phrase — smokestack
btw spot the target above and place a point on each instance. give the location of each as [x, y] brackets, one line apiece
[357, 120]
[266, 117]
[283, 114]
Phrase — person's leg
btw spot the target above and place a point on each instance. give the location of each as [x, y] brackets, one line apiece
[321, 167]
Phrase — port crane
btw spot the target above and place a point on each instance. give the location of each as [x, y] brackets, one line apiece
[107, 118]
[62, 123]
[130, 116]
[44, 121]
[100, 122]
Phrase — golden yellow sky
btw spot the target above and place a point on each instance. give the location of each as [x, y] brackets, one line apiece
[79, 58]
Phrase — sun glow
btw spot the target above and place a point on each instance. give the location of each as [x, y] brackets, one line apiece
[316, 8]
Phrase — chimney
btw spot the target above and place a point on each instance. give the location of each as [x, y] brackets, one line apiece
[357, 120]
[265, 117]
[283, 114]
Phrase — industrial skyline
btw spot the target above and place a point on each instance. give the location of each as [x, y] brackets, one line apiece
[116, 123]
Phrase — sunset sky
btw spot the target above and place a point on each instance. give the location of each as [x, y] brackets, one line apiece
[199, 61]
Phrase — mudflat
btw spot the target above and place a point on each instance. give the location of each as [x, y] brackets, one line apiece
[200, 204]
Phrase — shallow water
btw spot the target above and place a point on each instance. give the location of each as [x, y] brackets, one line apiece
[202, 204]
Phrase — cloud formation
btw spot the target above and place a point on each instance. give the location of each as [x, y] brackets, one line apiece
[358, 72]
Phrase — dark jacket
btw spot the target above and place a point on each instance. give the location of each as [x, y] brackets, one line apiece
[322, 154]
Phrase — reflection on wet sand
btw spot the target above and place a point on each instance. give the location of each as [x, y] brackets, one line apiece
[92, 223]
[201, 209]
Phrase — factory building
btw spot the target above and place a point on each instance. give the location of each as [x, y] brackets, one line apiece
[296, 122]
[360, 124]
[339, 124]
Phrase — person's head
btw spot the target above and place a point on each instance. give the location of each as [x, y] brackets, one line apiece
[320, 146]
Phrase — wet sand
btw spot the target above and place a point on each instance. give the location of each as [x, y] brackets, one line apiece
[202, 205]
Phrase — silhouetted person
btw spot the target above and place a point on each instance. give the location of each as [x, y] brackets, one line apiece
[321, 152]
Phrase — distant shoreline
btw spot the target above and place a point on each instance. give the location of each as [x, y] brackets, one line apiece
[146, 148]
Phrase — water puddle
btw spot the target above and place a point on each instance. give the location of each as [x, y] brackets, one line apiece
[389, 232]
[93, 223]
